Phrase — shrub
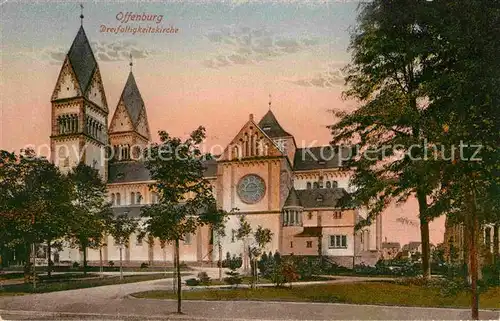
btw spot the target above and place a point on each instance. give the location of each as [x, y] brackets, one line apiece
[144, 265]
[491, 275]
[234, 277]
[203, 278]
[192, 282]
[111, 263]
[76, 265]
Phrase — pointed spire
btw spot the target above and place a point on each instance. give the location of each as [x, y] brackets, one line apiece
[81, 14]
[82, 59]
[269, 124]
[132, 99]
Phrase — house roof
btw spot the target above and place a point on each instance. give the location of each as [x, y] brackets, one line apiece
[131, 211]
[411, 246]
[310, 231]
[132, 99]
[269, 125]
[135, 171]
[124, 172]
[323, 197]
[391, 245]
[320, 157]
[292, 199]
[82, 59]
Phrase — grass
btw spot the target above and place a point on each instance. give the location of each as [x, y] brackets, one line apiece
[71, 284]
[377, 293]
[248, 280]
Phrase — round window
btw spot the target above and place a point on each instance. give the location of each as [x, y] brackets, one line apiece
[251, 189]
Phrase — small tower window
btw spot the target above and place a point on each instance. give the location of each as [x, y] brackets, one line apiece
[132, 198]
[335, 184]
[308, 185]
[315, 185]
[138, 197]
[328, 184]
[118, 199]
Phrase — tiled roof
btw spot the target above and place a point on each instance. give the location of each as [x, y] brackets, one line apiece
[391, 245]
[320, 157]
[123, 172]
[134, 171]
[132, 99]
[269, 125]
[292, 199]
[131, 211]
[210, 168]
[82, 59]
[324, 197]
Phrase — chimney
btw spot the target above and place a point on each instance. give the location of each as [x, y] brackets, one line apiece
[251, 117]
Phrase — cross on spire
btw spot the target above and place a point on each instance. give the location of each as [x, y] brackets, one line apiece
[131, 63]
[81, 14]
[269, 101]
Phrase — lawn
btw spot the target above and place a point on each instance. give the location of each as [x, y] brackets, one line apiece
[379, 293]
[51, 285]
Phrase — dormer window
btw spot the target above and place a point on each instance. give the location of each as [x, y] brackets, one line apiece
[266, 128]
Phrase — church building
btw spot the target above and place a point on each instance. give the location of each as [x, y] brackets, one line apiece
[300, 194]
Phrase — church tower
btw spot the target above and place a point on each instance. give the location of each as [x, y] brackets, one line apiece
[79, 110]
[129, 129]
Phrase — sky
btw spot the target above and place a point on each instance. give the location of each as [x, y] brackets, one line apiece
[227, 60]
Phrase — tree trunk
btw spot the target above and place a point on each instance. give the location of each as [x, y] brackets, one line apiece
[220, 259]
[49, 262]
[101, 267]
[473, 269]
[84, 261]
[424, 234]
[178, 276]
[174, 274]
[496, 254]
[121, 262]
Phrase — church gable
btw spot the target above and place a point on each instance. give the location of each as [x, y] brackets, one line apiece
[250, 142]
[143, 126]
[95, 92]
[121, 121]
[67, 85]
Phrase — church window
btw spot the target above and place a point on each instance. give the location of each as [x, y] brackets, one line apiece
[328, 184]
[315, 185]
[320, 184]
[67, 88]
[309, 216]
[233, 236]
[308, 185]
[112, 198]
[138, 241]
[118, 199]
[138, 198]
[335, 184]
[291, 244]
[292, 218]
[132, 198]
[309, 244]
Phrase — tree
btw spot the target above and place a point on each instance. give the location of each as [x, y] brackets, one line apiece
[90, 210]
[262, 237]
[386, 76]
[177, 168]
[121, 228]
[35, 201]
[243, 233]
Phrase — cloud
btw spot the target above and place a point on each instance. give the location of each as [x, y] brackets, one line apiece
[333, 77]
[252, 46]
[103, 51]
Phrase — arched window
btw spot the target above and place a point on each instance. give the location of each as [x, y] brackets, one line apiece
[328, 184]
[132, 198]
[335, 184]
[118, 199]
[138, 197]
[315, 185]
[112, 198]
[308, 185]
